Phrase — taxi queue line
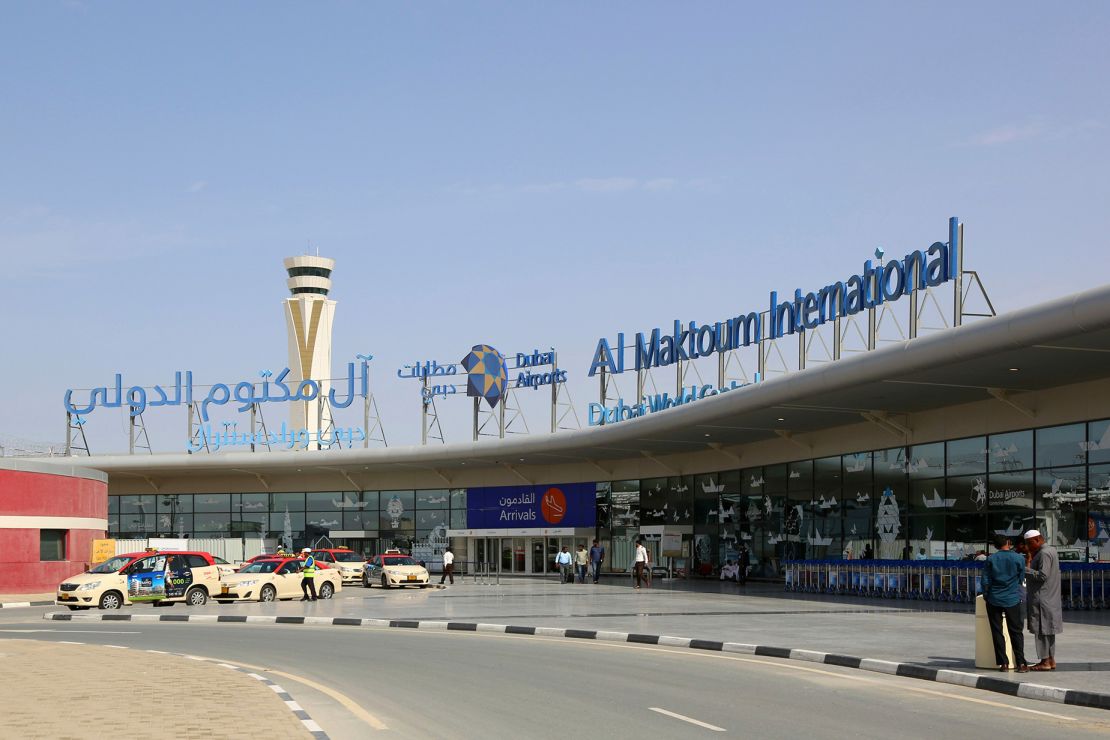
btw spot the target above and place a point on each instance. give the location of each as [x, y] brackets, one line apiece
[164, 578]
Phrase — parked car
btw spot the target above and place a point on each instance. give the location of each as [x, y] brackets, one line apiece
[350, 564]
[394, 569]
[150, 576]
[273, 578]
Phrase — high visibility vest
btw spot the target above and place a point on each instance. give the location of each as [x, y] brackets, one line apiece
[309, 568]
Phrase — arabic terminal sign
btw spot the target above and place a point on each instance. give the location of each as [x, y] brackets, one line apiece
[243, 395]
[438, 378]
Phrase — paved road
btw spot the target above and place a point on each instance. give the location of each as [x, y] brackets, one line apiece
[434, 684]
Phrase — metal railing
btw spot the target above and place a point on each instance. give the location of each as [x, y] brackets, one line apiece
[1083, 585]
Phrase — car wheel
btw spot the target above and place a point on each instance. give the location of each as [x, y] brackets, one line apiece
[385, 581]
[268, 593]
[366, 582]
[111, 600]
[196, 597]
[326, 590]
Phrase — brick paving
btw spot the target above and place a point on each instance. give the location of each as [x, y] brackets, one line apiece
[76, 692]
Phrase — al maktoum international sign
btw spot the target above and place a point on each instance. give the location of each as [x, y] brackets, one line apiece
[871, 288]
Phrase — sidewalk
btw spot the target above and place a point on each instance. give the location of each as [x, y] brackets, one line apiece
[8, 601]
[87, 691]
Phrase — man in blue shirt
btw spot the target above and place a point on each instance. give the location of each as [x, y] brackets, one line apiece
[1002, 578]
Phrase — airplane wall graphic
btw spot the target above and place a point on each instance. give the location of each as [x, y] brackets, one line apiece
[1013, 530]
[936, 502]
[818, 541]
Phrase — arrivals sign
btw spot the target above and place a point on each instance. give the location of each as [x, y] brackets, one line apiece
[871, 288]
[533, 507]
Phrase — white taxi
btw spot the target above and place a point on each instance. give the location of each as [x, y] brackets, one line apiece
[162, 578]
[270, 579]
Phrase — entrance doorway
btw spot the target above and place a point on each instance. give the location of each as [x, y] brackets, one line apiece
[521, 555]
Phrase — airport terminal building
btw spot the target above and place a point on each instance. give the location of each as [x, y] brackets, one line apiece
[922, 446]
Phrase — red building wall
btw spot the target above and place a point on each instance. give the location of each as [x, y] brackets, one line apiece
[28, 494]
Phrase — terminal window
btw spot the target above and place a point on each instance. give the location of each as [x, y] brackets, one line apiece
[52, 544]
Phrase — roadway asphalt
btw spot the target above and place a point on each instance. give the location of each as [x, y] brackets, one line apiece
[464, 685]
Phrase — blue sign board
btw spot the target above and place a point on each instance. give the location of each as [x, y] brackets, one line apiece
[514, 507]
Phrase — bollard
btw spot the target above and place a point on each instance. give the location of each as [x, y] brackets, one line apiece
[984, 644]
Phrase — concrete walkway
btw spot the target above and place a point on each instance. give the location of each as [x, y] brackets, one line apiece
[88, 691]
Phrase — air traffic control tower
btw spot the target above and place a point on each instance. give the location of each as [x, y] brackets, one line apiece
[308, 319]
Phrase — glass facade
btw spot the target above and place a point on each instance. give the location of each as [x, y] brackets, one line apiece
[941, 500]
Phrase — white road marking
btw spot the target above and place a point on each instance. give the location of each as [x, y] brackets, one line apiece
[691, 720]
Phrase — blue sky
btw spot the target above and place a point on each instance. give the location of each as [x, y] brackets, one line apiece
[523, 174]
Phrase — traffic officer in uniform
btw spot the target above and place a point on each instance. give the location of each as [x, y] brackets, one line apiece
[308, 575]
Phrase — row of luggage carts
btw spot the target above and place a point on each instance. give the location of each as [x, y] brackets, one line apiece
[1083, 585]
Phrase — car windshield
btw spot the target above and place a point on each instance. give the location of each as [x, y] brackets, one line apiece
[347, 557]
[112, 565]
[400, 561]
[261, 566]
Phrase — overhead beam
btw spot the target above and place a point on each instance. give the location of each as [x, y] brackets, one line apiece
[888, 426]
[599, 466]
[718, 447]
[660, 463]
[1007, 397]
[789, 437]
[517, 473]
[256, 475]
[348, 478]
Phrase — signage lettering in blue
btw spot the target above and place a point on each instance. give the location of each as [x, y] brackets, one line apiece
[599, 414]
[427, 369]
[285, 437]
[535, 380]
[874, 286]
[246, 393]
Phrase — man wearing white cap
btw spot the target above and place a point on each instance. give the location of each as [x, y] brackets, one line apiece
[1046, 616]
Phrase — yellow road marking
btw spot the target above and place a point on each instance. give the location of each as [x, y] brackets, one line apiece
[347, 702]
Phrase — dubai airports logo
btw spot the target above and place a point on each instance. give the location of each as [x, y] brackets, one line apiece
[553, 505]
[486, 376]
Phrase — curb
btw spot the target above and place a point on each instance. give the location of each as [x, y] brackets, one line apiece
[22, 604]
[298, 711]
[1022, 690]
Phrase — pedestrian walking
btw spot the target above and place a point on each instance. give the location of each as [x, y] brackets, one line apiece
[564, 560]
[744, 564]
[1002, 577]
[639, 562]
[1046, 616]
[597, 555]
[448, 566]
[581, 563]
[308, 575]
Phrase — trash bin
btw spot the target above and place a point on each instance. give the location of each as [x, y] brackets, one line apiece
[984, 644]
